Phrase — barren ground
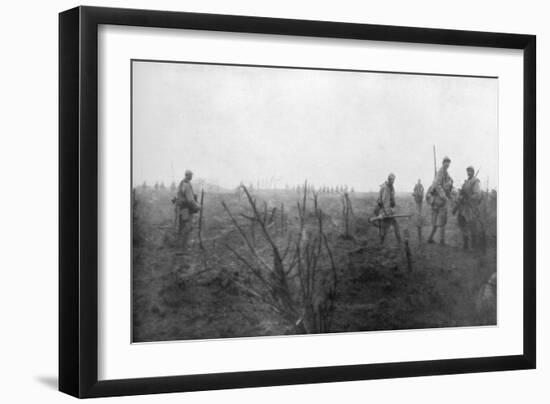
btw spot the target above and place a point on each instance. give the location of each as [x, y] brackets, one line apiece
[179, 297]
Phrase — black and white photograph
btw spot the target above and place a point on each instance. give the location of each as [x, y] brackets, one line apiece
[274, 200]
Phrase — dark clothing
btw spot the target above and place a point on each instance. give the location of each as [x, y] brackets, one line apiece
[469, 200]
[468, 211]
[418, 193]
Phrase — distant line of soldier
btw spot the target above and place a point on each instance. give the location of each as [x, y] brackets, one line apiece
[440, 197]
[338, 189]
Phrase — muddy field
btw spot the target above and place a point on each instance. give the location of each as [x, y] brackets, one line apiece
[357, 284]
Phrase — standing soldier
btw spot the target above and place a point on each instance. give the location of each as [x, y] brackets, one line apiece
[186, 207]
[467, 207]
[438, 196]
[418, 195]
[385, 206]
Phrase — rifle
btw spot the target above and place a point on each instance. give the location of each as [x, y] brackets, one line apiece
[435, 163]
[383, 217]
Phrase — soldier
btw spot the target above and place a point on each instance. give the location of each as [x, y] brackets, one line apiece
[438, 196]
[186, 207]
[467, 207]
[385, 206]
[418, 195]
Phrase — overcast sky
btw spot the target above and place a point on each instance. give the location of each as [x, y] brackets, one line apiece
[230, 124]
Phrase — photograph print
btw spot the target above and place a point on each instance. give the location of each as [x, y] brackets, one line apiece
[274, 201]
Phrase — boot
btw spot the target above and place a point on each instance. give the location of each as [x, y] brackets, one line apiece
[431, 238]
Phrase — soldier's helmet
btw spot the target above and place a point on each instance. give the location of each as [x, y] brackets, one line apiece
[391, 176]
[188, 172]
[446, 159]
[470, 168]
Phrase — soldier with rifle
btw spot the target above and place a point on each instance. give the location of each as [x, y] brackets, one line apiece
[467, 207]
[186, 206]
[438, 197]
[384, 211]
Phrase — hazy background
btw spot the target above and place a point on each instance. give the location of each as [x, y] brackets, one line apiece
[232, 123]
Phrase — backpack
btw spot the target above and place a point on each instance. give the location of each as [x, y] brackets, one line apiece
[430, 195]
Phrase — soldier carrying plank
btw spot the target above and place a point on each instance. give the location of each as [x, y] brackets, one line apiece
[385, 206]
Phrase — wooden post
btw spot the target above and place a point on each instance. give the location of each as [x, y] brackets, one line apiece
[408, 250]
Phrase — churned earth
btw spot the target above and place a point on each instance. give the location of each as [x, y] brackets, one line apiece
[202, 294]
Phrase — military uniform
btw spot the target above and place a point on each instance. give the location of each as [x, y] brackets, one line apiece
[468, 210]
[440, 195]
[385, 205]
[418, 195]
[186, 208]
[438, 198]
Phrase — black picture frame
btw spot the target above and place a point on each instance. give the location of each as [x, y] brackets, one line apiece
[78, 200]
